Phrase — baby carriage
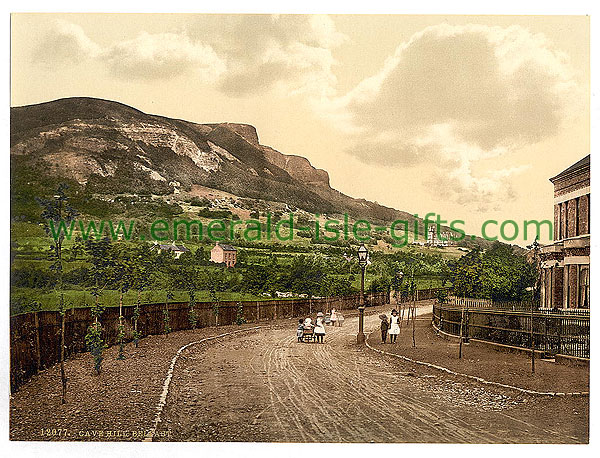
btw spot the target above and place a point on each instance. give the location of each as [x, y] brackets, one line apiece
[308, 334]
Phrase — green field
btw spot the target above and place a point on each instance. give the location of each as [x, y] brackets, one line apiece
[30, 251]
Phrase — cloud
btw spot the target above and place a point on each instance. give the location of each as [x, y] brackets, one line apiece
[161, 56]
[454, 95]
[66, 43]
[241, 54]
[291, 54]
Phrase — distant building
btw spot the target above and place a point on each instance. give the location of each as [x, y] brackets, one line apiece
[565, 281]
[222, 253]
[177, 250]
[434, 240]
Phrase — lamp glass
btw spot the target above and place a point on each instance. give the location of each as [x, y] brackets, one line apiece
[362, 255]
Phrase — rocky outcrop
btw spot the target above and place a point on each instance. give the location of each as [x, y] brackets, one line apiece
[298, 167]
[246, 131]
[108, 147]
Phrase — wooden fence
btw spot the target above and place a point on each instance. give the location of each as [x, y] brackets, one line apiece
[35, 336]
[556, 331]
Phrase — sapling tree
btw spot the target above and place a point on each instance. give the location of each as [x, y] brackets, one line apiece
[187, 279]
[215, 301]
[143, 267]
[413, 293]
[165, 280]
[397, 280]
[166, 315]
[169, 284]
[101, 257]
[239, 314]
[59, 215]
[93, 338]
[123, 276]
[213, 281]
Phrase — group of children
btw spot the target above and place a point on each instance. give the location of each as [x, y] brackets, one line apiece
[390, 326]
[318, 328]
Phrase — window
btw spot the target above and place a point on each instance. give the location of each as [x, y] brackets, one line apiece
[559, 228]
[588, 213]
[566, 220]
[584, 287]
[577, 216]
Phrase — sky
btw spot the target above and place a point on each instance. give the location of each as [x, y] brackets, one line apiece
[463, 116]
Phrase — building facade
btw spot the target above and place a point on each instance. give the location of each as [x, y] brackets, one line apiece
[222, 253]
[176, 250]
[441, 241]
[565, 264]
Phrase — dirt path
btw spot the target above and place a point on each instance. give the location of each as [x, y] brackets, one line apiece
[264, 386]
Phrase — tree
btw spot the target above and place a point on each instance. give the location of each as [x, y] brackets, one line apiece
[169, 284]
[506, 274]
[467, 275]
[257, 279]
[200, 256]
[101, 257]
[187, 279]
[144, 262]
[305, 275]
[214, 282]
[58, 212]
[498, 274]
[380, 284]
[124, 267]
[337, 286]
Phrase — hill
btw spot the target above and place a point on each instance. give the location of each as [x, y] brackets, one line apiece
[104, 148]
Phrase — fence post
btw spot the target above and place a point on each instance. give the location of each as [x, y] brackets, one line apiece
[545, 333]
[560, 322]
[460, 342]
[37, 341]
[532, 342]
[467, 324]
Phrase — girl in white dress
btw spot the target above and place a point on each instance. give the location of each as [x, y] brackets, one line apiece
[320, 328]
[394, 326]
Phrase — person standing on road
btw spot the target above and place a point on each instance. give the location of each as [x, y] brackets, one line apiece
[333, 318]
[384, 327]
[320, 328]
[394, 329]
[300, 330]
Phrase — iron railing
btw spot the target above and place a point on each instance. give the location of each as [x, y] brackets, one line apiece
[555, 331]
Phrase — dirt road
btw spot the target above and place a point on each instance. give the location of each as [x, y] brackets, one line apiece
[265, 386]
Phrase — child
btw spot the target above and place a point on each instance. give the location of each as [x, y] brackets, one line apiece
[384, 327]
[394, 326]
[320, 328]
[300, 330]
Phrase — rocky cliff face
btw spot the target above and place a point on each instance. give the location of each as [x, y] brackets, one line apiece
[108, 147]
[298, 167]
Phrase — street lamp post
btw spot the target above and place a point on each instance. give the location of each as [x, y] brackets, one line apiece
[362, 262]
[535, 246]
[398, 285]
